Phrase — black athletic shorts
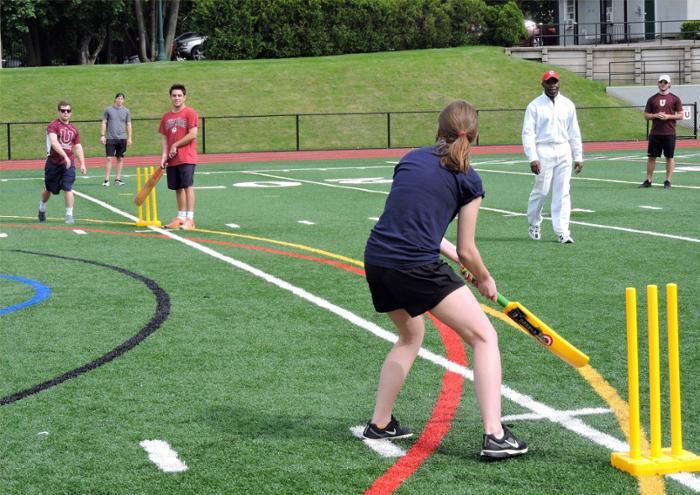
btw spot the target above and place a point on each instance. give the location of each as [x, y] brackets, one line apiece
[416, 290]
[57, 177]
[180, 176]
[115, 147]
[659, 143]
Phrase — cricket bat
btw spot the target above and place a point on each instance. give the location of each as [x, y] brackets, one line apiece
[148, 186]
[531, 325]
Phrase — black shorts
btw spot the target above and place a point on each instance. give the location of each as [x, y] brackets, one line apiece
[415, 290]
[659, 143]
[180, 176]
[115, 147]
[57, 177]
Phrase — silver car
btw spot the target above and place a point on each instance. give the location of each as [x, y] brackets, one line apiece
[190, 45]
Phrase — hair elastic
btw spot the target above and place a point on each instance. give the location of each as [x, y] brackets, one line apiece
[462, 133]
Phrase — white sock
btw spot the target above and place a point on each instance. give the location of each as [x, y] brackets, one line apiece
[42, 206]
[69, 211]
[182, 214]
[190, 215]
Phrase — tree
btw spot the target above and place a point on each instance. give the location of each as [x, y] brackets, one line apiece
[148, 37]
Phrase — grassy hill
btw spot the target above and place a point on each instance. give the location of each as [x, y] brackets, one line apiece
[420, 80]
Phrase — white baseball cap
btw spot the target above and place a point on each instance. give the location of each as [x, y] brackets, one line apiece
[665, 77]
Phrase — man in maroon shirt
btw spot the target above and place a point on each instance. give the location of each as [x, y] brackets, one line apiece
[62, 139]
[663, 109]
[178, 133]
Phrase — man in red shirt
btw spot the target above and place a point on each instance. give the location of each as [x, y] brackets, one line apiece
[178, 130]
[62, 138]
[663, 109]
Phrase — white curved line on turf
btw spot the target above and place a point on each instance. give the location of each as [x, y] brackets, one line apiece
[539, 408]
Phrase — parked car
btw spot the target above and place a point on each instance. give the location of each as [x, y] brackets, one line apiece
[189, 45]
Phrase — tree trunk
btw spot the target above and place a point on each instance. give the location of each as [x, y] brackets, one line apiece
[171, 23]
[154, 29]
[141, 26]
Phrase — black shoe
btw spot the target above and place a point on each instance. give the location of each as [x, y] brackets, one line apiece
[497, 449]
[667, 184]
[41, 216]
[119, 182]
[646, 183]
[392, 430]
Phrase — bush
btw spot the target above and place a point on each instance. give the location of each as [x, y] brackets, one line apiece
[504, 25]
[690, 30]
[244, 29]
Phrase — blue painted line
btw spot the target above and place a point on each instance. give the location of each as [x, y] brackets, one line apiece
[41, 292]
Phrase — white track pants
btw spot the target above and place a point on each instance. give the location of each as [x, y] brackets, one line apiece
[555, 173]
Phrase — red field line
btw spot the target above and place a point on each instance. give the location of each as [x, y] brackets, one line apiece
[272, 156]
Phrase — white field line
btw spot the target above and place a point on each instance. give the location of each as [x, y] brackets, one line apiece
[162, 455]
[384, 448]
[647, 207]
[579, 178]
[570, 423]
[608, 227]
[306, 222]
[507, 212]
[586, 411]
[339, 186]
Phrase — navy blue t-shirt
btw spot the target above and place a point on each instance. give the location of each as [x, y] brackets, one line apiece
[424, 198]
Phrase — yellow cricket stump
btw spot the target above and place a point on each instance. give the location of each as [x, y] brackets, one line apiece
[657, 460]
[148, 211]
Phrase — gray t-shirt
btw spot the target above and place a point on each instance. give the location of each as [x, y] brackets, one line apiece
[116, 118]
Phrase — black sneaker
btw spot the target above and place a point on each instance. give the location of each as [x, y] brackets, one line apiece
[496, 449]
[646, 183]
[41, 216]
[667, 184]
[119, 182]
[392, 430]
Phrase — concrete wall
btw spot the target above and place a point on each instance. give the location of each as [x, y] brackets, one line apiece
[638, 95]
[639, 63]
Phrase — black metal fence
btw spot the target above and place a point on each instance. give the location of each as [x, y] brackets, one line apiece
[333, 131]
[604, 33]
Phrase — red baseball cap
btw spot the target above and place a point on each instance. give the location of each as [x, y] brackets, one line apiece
[550, 74]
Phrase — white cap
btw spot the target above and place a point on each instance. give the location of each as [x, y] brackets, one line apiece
[665, 77]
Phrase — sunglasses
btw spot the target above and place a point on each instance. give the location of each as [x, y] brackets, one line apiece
[65, 110]
[663, 82]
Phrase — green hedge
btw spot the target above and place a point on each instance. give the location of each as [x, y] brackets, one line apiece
[690, 30]
[247, 29]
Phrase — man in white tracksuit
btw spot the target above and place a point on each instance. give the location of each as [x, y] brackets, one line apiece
[552, 142]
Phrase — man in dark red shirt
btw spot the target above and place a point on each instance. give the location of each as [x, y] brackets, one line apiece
[663, 109]
[62, 139]
[178, 131]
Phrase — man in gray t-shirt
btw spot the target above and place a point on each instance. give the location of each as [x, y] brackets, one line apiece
[115, 135]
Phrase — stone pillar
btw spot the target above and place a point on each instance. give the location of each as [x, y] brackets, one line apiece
[637, 66]
[687, 65]
[545, 55]
[589, 64]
